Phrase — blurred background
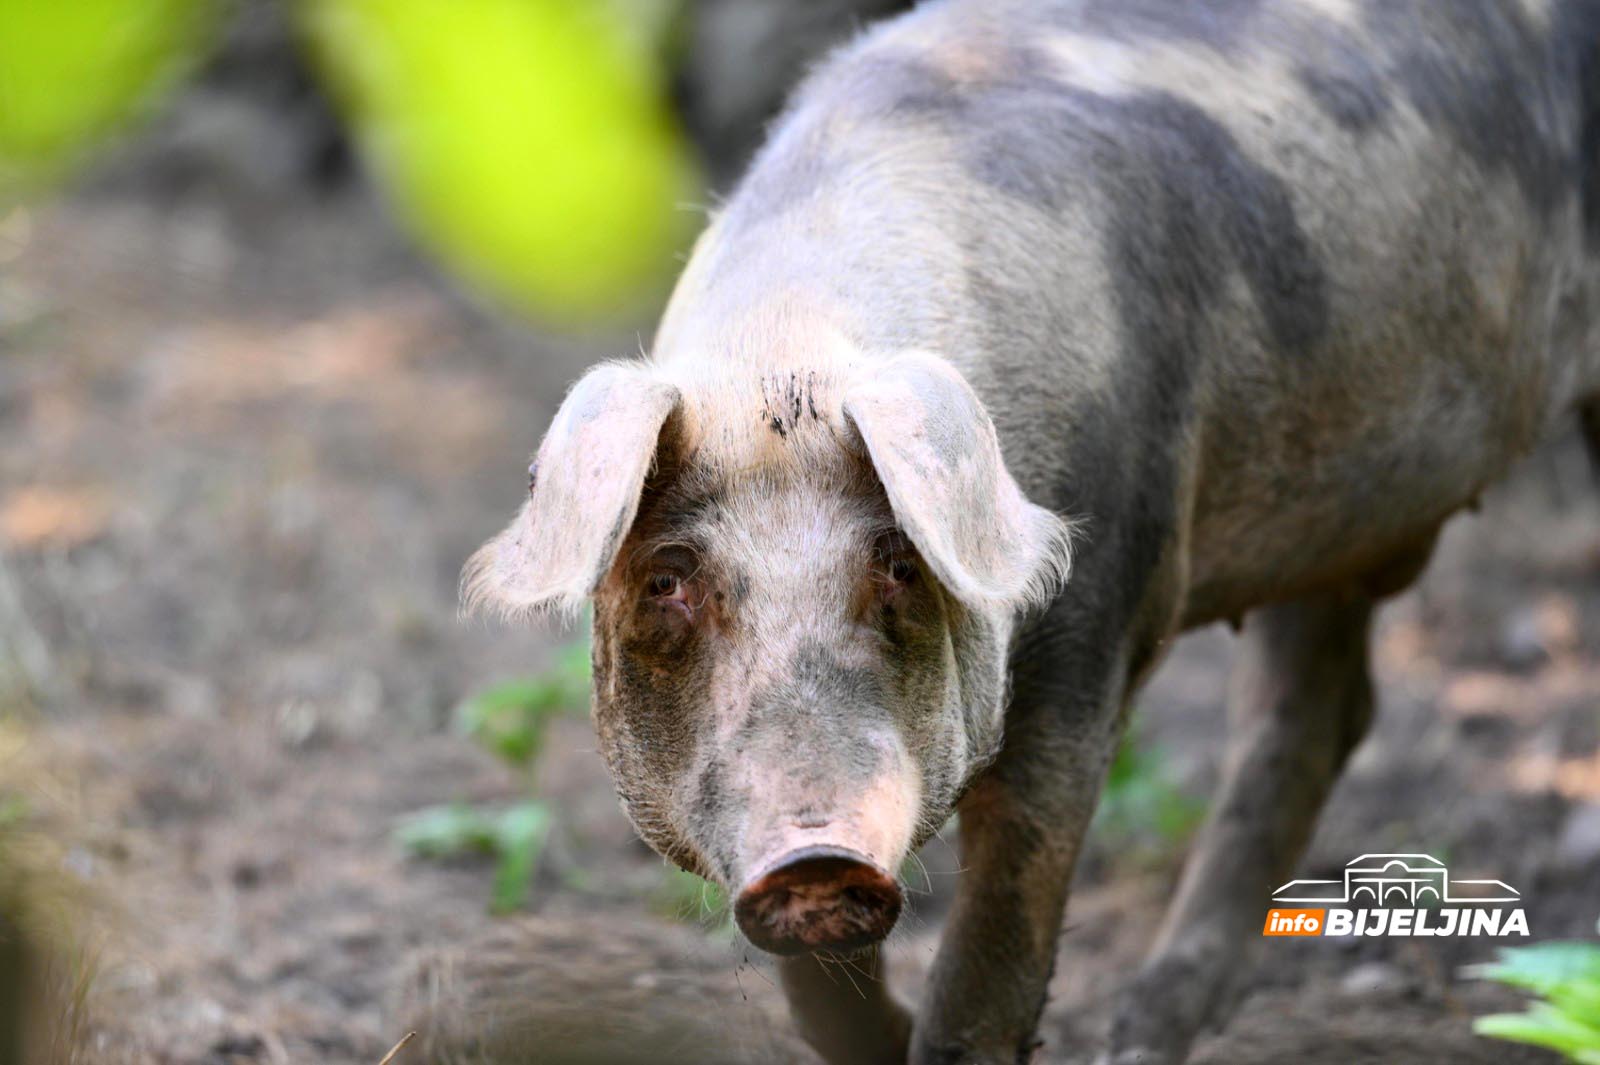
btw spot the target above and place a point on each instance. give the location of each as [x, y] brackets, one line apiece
[288, 292]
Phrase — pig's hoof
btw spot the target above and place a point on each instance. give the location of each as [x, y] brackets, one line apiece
[818, 898]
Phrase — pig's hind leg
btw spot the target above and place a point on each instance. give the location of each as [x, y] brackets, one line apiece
[1301, 701]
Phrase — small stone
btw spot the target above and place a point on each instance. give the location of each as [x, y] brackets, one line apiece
[1375, 979]
[1522, 645]
[1539, 632]
[299, 723]
[1579, 844]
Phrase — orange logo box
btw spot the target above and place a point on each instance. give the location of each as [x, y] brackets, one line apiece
[1295, 923]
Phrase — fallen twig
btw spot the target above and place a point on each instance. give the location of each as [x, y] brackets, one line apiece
[389, 1057]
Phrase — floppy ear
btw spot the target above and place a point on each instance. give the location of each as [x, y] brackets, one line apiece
[583, 494]
[938, 456]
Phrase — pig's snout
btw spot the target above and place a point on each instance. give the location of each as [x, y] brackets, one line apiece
[818, 898]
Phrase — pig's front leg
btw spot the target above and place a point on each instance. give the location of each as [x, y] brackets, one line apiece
[844, 1009]
[1021, 827]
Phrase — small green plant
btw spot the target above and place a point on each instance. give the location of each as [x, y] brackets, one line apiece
[511, 720]
[1141, 803]
[1566, 978]
[514, 835]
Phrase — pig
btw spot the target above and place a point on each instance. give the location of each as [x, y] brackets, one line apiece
[1039, 332]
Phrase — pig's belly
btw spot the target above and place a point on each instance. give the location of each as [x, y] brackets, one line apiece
[1344, 510]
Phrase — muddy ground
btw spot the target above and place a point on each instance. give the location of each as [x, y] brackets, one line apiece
[247, 450]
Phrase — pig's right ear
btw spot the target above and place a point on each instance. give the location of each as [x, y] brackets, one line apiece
[938, 456]
[583, 494]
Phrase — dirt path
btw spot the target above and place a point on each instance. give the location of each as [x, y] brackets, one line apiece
[245, 458]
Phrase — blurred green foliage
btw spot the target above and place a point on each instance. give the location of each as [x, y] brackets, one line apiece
[510, 720]
[73, 71]
[528, 141]
[515, 836]
[1142, 808]
[1566, 977]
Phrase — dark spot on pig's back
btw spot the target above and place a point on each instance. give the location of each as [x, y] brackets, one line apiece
[1356, 105]
[1185, 200]
[1478, 70]
[1220, 24]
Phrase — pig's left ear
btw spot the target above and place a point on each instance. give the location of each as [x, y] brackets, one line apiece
[583, 493]
[937, 454]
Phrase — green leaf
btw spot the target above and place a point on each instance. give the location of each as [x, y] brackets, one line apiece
[1543, 966]
[515, 836]
[1567, 975]
[521, 832]
[1140, 799]
[1542, 1025]
[1578, 999]
[446, 831]
[511, 718]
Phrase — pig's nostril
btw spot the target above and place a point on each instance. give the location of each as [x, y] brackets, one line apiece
[818, 898]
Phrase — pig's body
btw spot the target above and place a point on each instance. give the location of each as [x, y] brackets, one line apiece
[1268, 289]
[1258, 294]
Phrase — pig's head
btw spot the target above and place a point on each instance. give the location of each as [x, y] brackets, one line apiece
[804, 586]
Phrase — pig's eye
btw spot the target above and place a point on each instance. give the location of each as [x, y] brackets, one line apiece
[670, 593]
[902, 570]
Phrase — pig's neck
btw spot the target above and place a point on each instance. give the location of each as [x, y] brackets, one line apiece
[832, 281]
